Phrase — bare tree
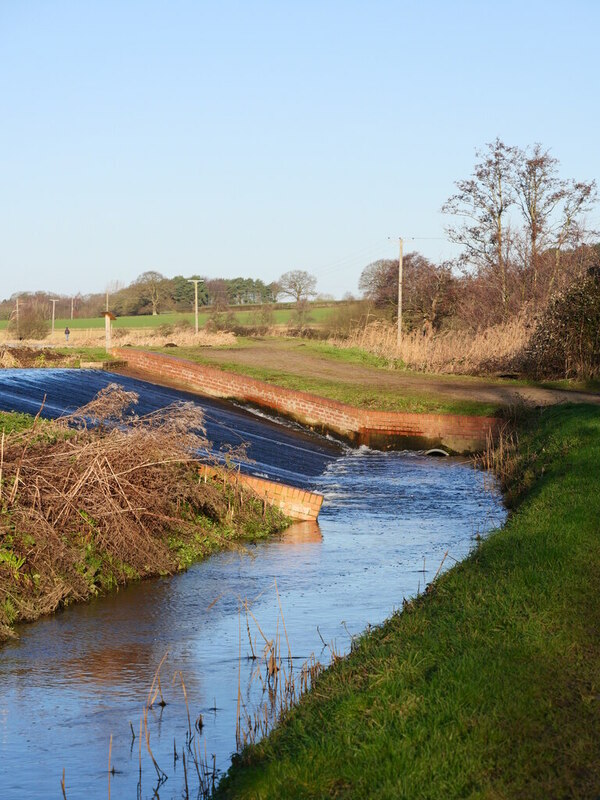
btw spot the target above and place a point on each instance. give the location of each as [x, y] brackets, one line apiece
[217, 293]
[518, 258]
[151, 286]
[551, 208]
[579, 197]
[31, 321]
[483, 200]
[379, 282]
[428, 289]
[538, 192]
[297, 284]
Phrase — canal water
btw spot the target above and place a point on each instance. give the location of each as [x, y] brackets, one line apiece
[73, 681]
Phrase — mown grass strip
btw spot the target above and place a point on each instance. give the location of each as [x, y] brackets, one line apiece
[488, 686]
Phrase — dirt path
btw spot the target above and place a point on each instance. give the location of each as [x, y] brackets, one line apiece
[297, 358]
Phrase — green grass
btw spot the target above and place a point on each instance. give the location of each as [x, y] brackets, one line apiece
[347, 355]
[83, 353]
[281, 316]
[486, 687]
[14, 421]
[590, 385]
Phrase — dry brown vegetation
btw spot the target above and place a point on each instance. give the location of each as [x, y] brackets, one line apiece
[157, 337]
[83, 509]
[27, 356]
[182, 337]
[560, 340]
[464, 352]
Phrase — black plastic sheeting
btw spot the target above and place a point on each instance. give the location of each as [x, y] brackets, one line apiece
[280, 451]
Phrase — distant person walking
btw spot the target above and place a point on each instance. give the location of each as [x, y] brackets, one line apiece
[67, 334]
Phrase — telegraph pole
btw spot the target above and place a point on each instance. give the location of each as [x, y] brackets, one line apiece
[54, 302]
[195, 281]
[400, 293]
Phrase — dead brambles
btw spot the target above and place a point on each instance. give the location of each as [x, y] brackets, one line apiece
[104, 496]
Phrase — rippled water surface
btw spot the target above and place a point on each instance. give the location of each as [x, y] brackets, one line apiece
[75, 679]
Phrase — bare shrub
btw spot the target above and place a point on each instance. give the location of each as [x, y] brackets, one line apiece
[220, 320]
[31, 323]
[120, 333]
[346, 319]
[263, 318]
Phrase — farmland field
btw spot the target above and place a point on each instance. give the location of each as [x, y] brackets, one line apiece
[281, 316]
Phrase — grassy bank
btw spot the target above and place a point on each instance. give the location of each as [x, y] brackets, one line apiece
[83, 512]
[311, 375]
[488, 685]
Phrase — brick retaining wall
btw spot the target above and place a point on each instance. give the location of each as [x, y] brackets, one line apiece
[378, 429]
[293, 502]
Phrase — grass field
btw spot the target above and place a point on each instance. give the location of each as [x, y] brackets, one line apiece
[487, 686]
[281, 316]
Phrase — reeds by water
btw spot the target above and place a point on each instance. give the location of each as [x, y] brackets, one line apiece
[276, 683]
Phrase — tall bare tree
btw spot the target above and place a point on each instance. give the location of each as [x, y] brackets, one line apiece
[379, 282]
[297, 284]
[483, 201]
[551, 208]
[579, 197]
[518, 254]
[538, 191]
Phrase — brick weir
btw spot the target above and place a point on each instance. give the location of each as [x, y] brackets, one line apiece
[380, 430]
[295, 503]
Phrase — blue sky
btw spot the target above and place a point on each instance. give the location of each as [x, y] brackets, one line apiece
[250, 138]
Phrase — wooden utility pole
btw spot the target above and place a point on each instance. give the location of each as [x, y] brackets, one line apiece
[54, 302]
[195, 281]
[108, 319]
[400, 293]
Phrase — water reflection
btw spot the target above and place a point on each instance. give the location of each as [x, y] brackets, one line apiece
[301, 534]
[77, 678]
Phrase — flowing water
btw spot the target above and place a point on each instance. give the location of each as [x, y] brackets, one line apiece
[74, 680]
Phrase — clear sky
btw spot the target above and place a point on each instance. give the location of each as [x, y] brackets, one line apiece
[250, 138]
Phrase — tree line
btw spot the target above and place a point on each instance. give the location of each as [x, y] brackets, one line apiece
[153, 293]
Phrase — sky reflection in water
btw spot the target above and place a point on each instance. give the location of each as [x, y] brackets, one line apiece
[76, 678]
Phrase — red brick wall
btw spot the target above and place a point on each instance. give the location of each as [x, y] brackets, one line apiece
[293, 502]
[381, 429]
